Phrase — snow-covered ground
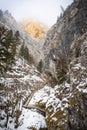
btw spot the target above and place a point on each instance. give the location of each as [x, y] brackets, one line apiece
[29, 119]
[25, 81]
[15, 87]
[41, 95]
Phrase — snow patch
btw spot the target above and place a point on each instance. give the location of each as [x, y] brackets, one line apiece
[31, 119]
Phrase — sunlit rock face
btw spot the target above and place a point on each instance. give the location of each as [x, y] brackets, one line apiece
[35, 29]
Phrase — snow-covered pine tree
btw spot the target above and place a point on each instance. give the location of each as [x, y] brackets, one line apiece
[8, 43]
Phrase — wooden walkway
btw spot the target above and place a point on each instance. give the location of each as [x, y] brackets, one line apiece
[27, 105]
[29, 99]
[40, 110]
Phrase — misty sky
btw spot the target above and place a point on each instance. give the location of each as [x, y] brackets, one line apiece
[45, 11]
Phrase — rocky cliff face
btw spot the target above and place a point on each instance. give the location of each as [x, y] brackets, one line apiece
[71, 25]
[70, 112]
[65, 52]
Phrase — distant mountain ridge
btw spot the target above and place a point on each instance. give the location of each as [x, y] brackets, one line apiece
[7, 20]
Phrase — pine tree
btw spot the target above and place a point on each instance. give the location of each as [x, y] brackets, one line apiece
[8, 43]
[24, 52]
[40, 66]
[17, 37]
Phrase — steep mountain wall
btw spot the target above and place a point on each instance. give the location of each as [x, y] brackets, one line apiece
[69, 27]
[65, 52]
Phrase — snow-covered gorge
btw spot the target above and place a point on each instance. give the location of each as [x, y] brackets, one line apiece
[55, 99]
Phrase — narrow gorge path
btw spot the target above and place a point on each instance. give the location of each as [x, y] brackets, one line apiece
[27, 104]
